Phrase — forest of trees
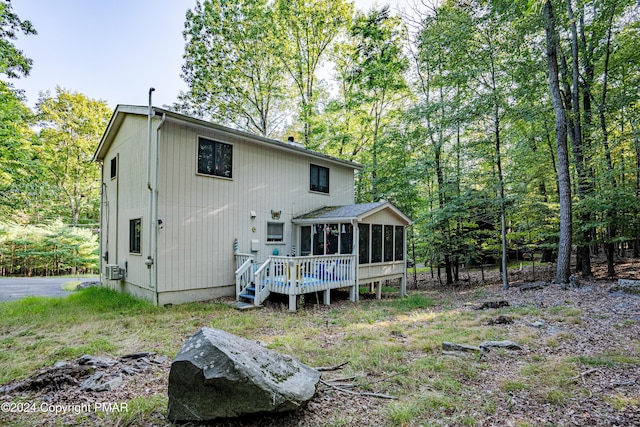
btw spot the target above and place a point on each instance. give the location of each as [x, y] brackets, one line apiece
[499, 126]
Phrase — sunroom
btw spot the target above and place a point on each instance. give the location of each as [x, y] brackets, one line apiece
[339, 247]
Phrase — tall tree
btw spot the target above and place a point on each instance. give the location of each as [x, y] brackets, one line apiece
[232, 65]
[16, 155]
[563, 270]
[307, 28]
[377, 75]
[71, 127]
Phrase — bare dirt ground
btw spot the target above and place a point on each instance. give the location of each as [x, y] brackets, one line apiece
[609, 322]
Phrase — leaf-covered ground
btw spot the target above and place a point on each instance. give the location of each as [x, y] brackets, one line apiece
[579, 366]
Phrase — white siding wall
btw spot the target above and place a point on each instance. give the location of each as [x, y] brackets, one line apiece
[126, 197]
[203, 215]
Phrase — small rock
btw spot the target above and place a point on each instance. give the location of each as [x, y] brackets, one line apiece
[454, 347]
[538, 324]
[509, 345]
[85, 285]
[627, 286]
[95, 361]
[110, 385]
[92, 382]
[492, 304]
[500, 320]
[160, 360]
[98, 382]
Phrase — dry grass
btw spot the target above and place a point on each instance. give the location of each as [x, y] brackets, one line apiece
[393, 346]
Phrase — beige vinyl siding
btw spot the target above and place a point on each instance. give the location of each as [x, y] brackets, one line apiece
[202, 215]
[127, 199]
[385, 217]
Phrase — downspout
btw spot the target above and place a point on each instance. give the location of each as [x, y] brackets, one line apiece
[149, 261]
[356, 246]
[102, 243]
[156, 224]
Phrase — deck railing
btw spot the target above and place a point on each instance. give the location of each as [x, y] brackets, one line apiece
[294, 276]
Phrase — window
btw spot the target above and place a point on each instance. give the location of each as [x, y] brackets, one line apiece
[275, 232]
[388, 243]
[318, 239]
[319, 179]
[135, 235]
[399, 254]
[346, 238]
[215, 158]
[114, 167]
[363, 243]
[376, 243]
[305, 240]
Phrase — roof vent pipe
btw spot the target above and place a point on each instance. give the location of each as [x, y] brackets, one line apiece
[291, 141]
[150, 114]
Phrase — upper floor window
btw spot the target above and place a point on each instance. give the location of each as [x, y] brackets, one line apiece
[114, 167]
[215, 158]
[319, 179]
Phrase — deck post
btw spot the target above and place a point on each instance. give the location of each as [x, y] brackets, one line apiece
[292, 302]
[379, 289]
[403, 284]
[326, 297]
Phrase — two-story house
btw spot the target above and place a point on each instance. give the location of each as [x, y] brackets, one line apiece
[191, 210]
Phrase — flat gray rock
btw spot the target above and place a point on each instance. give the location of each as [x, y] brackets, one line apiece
[220, 375]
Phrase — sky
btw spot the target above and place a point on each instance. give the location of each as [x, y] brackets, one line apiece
[111, 50]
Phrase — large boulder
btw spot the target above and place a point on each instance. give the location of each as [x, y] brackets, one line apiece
[220, 375]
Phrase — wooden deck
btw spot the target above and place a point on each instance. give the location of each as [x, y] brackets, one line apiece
[295, 276]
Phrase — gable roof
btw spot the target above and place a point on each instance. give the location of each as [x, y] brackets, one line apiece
[122, 111]
[355, 212]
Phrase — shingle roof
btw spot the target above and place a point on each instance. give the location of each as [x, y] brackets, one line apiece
[340, 212]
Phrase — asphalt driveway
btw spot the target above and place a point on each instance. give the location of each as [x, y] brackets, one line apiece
[13, 288]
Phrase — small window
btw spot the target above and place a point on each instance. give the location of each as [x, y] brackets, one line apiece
[135, 235]
[215, 158]
[376, 243]
[363, 243]
[114, 167]
[275, 232]
[346, 238]
[388, 243]
[399, 254]
[319, 179]
[305, 240]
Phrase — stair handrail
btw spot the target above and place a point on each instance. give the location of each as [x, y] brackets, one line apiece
[244, 275]
[260, 282]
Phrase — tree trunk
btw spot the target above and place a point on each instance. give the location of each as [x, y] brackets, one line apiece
[583, 258]
[563, 270]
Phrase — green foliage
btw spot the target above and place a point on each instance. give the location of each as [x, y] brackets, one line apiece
[232, 65]
[47, 250]
[15, 144]
[13, 63]
[71, 127]
[306, 30]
